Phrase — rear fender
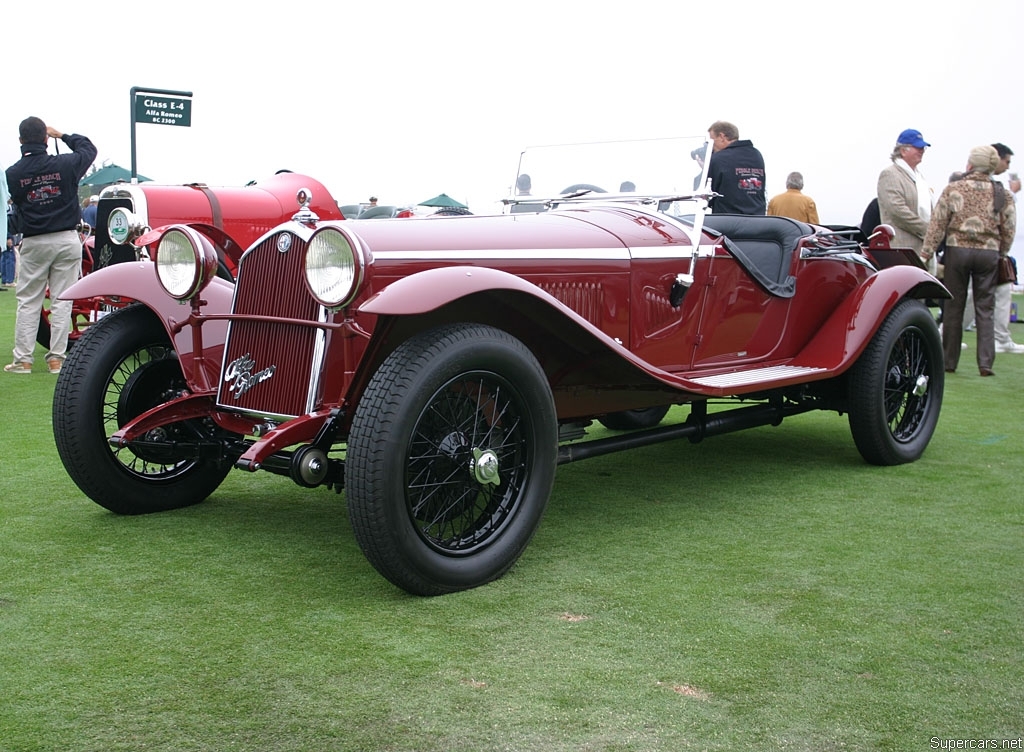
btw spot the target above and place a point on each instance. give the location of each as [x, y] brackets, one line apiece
[122, 284]
[846, 333]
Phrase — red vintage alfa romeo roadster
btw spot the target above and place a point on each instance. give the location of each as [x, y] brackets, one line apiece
[438, 369]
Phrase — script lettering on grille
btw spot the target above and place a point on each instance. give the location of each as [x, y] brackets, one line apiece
[240, 371]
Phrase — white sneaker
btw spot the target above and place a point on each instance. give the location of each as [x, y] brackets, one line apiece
[1011, 347]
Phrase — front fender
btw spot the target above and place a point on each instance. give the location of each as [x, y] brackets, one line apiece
[125, 283]
[431, 289]
[843, 337]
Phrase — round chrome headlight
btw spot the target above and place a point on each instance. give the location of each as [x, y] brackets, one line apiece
[123, 226]
[185, 262]
[334, 269]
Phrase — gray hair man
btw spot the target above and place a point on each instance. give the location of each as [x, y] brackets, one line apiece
[793, 203]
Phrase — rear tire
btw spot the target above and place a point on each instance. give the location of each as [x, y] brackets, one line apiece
[895, 387]
[630, 420]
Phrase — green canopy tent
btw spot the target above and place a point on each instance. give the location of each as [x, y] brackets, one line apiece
[443, 201]
[108, 175]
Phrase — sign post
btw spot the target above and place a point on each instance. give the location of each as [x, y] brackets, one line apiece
[159, 107]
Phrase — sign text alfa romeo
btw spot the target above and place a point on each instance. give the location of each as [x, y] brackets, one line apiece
[163, 110]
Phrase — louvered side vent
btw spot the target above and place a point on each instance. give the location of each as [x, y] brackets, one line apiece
[269, 367]
[658, 311]
[587, 299]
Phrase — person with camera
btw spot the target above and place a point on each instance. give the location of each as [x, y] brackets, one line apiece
[736, 172]
[44, 189]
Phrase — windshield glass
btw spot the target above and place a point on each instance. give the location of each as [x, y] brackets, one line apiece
[611, 170]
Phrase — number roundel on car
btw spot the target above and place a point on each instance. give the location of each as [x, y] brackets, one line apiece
[333, 267]
[123, 226]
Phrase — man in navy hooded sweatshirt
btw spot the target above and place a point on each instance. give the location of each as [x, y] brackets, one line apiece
[736, 170]
[44, 188]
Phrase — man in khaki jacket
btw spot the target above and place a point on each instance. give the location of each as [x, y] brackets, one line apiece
[904, 198]
[793, 203]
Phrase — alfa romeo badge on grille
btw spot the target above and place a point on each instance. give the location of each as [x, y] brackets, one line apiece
[242, 375]
[284, 242]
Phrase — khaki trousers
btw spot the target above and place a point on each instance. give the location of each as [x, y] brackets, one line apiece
[1001, 319]
[53, 261]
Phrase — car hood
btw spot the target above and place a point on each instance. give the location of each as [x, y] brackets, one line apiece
[599, 230]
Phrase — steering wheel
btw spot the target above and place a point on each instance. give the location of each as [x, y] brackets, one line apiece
[583, 187]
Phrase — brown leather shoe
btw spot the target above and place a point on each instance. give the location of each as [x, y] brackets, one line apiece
[986, 372]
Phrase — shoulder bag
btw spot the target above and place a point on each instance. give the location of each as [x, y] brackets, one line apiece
[1007, 274]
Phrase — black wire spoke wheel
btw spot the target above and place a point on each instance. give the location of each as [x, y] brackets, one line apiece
[906, 382]
[451, 458]
[123, 366]
[895, 387]
[467, 463]
[146, 378]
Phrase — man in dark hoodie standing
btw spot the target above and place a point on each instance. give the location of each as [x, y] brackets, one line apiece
[44, 188]
[736, 171]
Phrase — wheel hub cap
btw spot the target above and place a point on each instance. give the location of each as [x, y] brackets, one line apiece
[485, 467]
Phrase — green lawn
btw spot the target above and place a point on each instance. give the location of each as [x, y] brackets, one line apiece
[764, 590]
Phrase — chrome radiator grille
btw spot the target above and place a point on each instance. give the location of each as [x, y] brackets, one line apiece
[272, 368]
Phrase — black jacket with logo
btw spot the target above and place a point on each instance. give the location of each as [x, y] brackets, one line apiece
[737, 172]
[44, 186]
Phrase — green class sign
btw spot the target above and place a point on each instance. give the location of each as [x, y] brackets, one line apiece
[163, 110]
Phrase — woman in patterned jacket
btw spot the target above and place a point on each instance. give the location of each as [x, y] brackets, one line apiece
[978, 220]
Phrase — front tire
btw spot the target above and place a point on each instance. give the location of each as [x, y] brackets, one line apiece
[451, 459]
[123, 366]
[895, 387]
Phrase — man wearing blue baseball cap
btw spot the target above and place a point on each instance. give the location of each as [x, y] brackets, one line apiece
[904, 198]
[911, 137]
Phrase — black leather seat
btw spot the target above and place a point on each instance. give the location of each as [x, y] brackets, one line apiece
[764, 245]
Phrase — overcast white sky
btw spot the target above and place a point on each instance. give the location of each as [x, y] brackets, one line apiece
[408, 99]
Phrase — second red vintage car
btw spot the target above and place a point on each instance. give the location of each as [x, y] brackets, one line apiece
[234, 216]
[438, 369]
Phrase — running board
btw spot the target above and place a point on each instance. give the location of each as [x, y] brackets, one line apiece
[755, 376]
